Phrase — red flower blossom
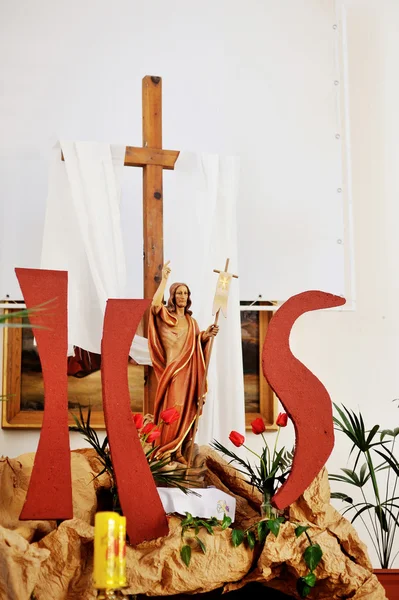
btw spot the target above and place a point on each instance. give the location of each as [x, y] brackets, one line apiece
[138, 420]
[282, 419]
[147, 428]
[154, 435]
[236, 438]
[258, 426]
[170, 415]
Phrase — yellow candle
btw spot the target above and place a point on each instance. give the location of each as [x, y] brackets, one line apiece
[122, 552]
[106, 542]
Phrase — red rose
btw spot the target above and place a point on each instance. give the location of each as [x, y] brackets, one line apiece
[138, 420]
[282, 419]
[258, 426]
[147, 428]
[154, 435]
[170, 415]
[236, 438]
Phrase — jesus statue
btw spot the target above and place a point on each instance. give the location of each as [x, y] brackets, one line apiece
[178, 352]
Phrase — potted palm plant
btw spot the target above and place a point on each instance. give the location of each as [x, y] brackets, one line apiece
[375, 475]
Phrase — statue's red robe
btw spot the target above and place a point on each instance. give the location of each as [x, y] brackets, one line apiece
[180, 381]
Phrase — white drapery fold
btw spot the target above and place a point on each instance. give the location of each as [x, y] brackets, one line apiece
[200, 232]
[82, 235]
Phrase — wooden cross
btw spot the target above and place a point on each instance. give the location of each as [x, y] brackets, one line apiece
[153, 159]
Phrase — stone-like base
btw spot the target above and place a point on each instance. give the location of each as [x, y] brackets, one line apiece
[57, 562]
[254, 591]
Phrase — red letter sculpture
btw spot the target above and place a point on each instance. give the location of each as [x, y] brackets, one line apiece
[303, 396]
[50, 491]
[138, 495]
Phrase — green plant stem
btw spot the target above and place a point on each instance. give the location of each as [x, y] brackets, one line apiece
[275, 443]
[257, 456]
[376, 529]
[249, 449]
[392, 526]
[373, 477]
[376, 546]
[267, 454]
[309, 538]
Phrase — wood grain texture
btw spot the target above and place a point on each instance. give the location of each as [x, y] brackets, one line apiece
[11, 389]
[267, 398]
[140, 157]
[152, 209]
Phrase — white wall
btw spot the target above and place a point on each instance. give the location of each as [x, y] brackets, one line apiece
[254, 79]
[355, 353]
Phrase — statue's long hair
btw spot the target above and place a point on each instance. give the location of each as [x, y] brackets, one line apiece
[171, 303]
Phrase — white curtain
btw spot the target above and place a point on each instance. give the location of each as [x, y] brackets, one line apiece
[200, 232]
[82, 234]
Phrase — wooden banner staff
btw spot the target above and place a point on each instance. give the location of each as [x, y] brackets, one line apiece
[202, 394]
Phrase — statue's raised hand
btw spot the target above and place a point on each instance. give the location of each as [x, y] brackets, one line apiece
[166, 271]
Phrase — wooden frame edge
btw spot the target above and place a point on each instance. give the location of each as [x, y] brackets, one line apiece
[12, 417]
[268, 402]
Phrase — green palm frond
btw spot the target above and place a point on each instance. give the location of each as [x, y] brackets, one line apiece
[24, 313]
[379, 510]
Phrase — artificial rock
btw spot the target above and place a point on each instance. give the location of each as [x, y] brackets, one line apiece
[57, 562]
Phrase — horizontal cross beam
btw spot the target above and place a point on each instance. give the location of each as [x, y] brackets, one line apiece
[140, 157]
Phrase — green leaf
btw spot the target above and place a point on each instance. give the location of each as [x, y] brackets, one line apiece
[226, 522]
[207, 526]
[263, 531]
[362, 475]
[312, 556]
[372, 434]
[353, 476]
[302, 587]
[382, 518]
[237, 537]
[365, 506]
[274, 525]
[301, 529]
[201, 544]
[386, 432]
[251, 539]
[188, 520]
[185, 554]
[342, 496]
[310, 579]
[342, 479]
[390, 459]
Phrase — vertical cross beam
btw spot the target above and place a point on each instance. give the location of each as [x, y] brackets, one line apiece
[153, 159]
[152, 209]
